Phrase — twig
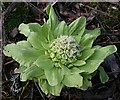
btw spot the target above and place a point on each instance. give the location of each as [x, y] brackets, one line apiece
[23, 90]
[100, 23]
[31, 94]
[39, 91]
[10, 8]
[37, 11]
[9, 62]
[104, 13]
[108, 43]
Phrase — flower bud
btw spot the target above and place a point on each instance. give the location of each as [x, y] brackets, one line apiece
[64, 50]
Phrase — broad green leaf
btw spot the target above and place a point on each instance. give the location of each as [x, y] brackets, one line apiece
[44, 85]
[45, 45]
[78, 37]
[37, 28]
[76, 70]
[91, 66]
[52, 21]
[44, 62]
[86, 54]
[73, 80]
[86, 41]
[31, 72]
[24, 29]
[86, 82]
[24, 43]
[55, 90]
[35, 41]
[50, 35]
[45, 29]
[79, 63]
[88, 38]
[61, 29]
[97, 58]
[48, 89]
[103, 75]
[24, 55]
[103, 52]
[54, 76]
[77, 26]
[65, 69]
[36, 35]
[95, 32]
[96, 47]
[47, 32]
[42, 76]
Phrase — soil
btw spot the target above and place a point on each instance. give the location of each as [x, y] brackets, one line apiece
[104, 15]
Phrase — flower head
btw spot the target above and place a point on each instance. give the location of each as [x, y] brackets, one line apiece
[56, 54]
[64, 50]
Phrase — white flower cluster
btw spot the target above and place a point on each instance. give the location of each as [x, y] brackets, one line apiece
[64, 49]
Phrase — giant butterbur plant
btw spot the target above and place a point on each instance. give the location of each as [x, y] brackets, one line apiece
[57, 55]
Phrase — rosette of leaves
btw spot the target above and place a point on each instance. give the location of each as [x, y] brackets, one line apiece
[56, 54]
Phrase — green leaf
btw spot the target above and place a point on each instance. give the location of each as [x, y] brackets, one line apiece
[44, 85]
[20, 69]
[61, 29]
[35, 41]
[79, 63]
[103, 75]
[54, 76]
[78, 37]
[97, 58]
[24, 29]
[86, 54]
[44, 29]
[103, 52]
[47, 9]
[45, 45]
[55, 90]
[24, 43]
[96, 47]
[47, 32]
[90, 66]
[95, 32]
[41, 31]
[24, 55]
[31, 72]
[86, 82]
[76, 70]
[52, 21]
[77, 26]
[50, 35]
[73, 80]
[44, 62]
[48, 89]
[35, 27]
[37, 35]
[65, 69]
[88, 38]
[86, 41]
